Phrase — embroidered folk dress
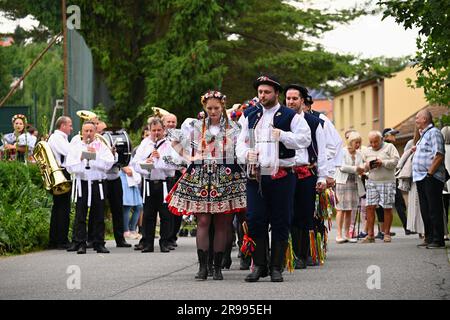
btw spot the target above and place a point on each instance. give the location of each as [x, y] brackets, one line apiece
[216, 182]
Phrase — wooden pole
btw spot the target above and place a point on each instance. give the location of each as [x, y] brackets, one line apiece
[66, 81]
[13, 89]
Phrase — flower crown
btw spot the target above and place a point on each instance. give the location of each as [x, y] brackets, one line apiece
[19, 116]
[213, 94]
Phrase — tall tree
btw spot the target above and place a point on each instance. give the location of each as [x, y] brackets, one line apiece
[433, 56]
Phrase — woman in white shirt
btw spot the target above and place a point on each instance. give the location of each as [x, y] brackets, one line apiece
[349, 186]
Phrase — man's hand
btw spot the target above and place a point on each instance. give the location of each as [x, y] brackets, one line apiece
[321, 186]
[127, 171]
[155, 154]
[360, 171]
[276, 133]
[149, 160]
[91, 149]
[378, 163]
[330, 182]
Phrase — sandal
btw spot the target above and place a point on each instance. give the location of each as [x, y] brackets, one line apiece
[368, 240]
[387, 238]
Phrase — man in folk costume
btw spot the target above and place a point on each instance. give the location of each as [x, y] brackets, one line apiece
[89, 159]
[334, 147]
[155, 186]
[311, 170]
[270, 197]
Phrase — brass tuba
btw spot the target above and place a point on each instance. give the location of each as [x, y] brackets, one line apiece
[53, 176]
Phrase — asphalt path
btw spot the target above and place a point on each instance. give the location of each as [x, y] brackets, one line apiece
[396, 270]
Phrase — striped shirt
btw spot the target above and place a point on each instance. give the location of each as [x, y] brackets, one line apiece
[430, 143]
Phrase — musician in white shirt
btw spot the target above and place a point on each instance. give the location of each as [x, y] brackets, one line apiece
[60, 216]
[152, 150]
[88, 160]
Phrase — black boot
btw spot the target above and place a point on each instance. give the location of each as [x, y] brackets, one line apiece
[278, 252]
[210, 263]
[245, 262]
[304, 249]
[202, 273]
[260, 261]
[296, 242]
[218, 256]
[81, 248]
[226, 262]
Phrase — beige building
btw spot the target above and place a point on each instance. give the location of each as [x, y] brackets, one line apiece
[377, 103]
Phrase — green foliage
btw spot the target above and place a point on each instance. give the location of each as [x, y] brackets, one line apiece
[432, 17]
[5, 76]
[24, 209]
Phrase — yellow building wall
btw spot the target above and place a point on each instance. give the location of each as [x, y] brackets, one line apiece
[360, 117]
[400, 100]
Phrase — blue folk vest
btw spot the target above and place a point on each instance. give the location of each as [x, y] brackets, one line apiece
[282, 120]
[313, 122]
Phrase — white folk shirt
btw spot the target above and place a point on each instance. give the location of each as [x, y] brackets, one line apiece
[299, 136]
[98, 167]
[334, 146]
[161, 171]
[59, 143]
[301, 155]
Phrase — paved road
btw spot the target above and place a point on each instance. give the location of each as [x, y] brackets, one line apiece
[406, 272]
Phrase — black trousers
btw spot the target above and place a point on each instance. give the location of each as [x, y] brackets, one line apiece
[153, 205]
[432, 209]
[399, 205]
[304, 203]
[96, 214]
[114, 194]
[60, 219]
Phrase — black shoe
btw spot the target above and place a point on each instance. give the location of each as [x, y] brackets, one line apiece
[147, 249]
[123, 244]
[379, 235]
[173, 243]
[422, 245]
[259, 272]
[81, 249]
[435, 245]
[300, 264]
[139, 246]
[73, 247]
[90, 245]
[101, 249]
[407, 232]
[164, 249]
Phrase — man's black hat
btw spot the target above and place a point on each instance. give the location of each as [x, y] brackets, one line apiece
[303, 91]
[269, 80]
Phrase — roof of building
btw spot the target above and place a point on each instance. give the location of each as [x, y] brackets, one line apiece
[406, 127]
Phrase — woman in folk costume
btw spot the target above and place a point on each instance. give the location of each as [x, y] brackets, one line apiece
[213, 184]
[18, 145]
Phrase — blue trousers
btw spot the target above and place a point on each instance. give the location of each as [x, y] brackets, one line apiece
[274, 205]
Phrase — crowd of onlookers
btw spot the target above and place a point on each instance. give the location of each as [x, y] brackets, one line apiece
[372, 181]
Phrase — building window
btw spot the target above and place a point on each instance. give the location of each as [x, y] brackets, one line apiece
[363, 108]
[375, 104]
[351, 113]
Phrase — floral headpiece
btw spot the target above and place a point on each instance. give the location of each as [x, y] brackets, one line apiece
[213, 94]
[19, 116]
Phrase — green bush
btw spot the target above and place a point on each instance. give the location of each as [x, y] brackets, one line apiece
[25, 208]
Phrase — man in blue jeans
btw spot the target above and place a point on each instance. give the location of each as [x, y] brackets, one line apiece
[429, 174]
